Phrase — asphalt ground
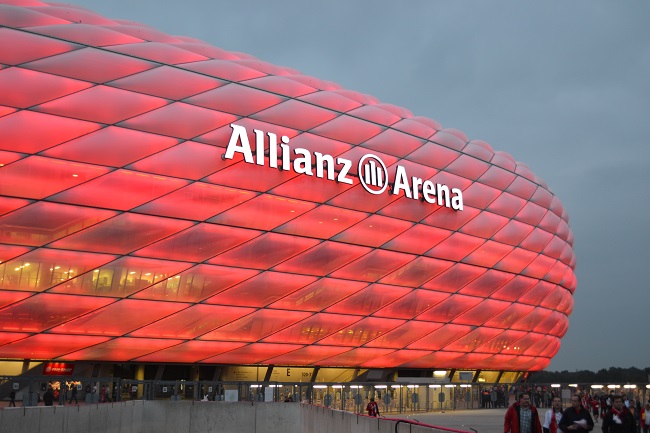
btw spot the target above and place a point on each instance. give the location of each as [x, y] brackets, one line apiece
[481, 420]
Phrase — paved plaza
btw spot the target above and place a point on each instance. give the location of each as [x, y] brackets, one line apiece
[481, 420]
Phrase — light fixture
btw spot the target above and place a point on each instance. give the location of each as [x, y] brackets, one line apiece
[449, 386]
[434, 386]
[555, 385]
[596, 386]
[573, 385]
[380, 386]
[629, 386]
[465, 385]
[439, 373]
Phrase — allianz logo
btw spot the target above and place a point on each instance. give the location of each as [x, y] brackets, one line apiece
[372, 172]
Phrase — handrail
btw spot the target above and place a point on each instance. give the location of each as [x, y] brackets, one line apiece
[421, 424]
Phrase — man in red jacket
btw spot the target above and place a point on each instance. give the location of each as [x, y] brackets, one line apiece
[522, 417]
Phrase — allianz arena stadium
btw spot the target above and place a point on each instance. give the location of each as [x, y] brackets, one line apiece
[164, 201]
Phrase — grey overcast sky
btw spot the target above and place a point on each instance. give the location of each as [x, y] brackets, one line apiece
[563, 86]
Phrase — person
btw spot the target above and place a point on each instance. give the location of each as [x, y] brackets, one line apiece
[619, 419]
[576, 418]
[595, 406]
[553, 416]
[635, 415]
[48, 397]
[12, 398]
[485, 399]
[522, 417]
[73, 394]
[644, 417]
[372, 408]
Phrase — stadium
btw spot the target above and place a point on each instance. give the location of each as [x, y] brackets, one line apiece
[169, 205]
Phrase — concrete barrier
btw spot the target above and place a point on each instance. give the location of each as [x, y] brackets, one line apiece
[277, 418]
[196, 417]
[78, 419]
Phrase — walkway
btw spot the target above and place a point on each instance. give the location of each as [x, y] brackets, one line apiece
[481, 420]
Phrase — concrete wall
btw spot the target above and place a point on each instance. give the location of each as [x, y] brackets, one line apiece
[194, 417]
[105, 418]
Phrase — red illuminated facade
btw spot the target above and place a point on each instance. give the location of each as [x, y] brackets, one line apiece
[129, 234]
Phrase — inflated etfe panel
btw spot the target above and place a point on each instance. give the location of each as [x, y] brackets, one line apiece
[164, 200]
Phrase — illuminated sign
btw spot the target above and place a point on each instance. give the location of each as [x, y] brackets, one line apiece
[372, 172]
[58, 369]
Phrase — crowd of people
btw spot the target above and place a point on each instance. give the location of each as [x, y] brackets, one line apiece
[617, 413]
[493, 397]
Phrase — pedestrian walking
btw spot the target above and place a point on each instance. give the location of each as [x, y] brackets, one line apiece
[553, 416]
[372, 408]
[576, 418]
[73, 395]
[522, 417]
[619, 419]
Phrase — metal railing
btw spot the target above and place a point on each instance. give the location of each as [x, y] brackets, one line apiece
[352, 397]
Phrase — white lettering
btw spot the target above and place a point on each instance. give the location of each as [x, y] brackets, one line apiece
[401, 182]
[442, 191]
[302, 164]
[259, 147]
[347, 164]
[457, 200]
[372, 171]
[429, 190]
[273, 150]
[322, 162]
[417, 183]
[239, 143]
[286, 157]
